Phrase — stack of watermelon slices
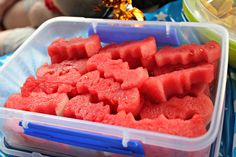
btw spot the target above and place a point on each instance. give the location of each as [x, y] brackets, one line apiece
[131, 84]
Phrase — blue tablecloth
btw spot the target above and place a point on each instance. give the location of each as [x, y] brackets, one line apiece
[228, 141]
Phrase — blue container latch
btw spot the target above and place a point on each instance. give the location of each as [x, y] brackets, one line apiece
[118, 34]
[83, 139]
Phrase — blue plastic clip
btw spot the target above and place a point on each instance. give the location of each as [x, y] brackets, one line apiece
[84, 139]
[119, 34]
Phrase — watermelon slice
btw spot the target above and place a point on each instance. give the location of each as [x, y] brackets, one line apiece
[193, 127]
[207, 91]
[80, 107]
[62, 83]
[30, 85]
[170, 68]
[120, 119]
[161, 88]
[101, 60]
[198, 88]
[186, 54]
[183, 108]
[39, 102]
[62, 68]
[54, 78]
[110, 92]
[118, 70]
[189, 128]
[74, 48]
[134, 52]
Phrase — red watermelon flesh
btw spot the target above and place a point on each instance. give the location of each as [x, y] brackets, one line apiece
[213, 49]
[189, 128]
[55, 53]
[118, 70]
[207, 91]
[134, 52]
[161, 88]
[198, 88]
[80, 107]
[170, 68]
[120, 119]
[64, 83]
[183, 108]
[193, 127]
[62, 68]
[133, 61]
[39, 102]
[133, 78]
[101, 60]
[70, 77]
[30, 85]
[15, 102]
[186, 54]
[74, 48]
[69, 89]
[41, 85]
[112, 50]
[108, 90]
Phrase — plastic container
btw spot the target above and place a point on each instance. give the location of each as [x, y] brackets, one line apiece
[217, 11]
[82, 138]
[215, 148]
[8, 152]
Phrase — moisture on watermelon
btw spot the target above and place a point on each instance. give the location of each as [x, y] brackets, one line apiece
[186, 54]
[81, 107]
[189, 128]
[182, 108]
[118, 70]
[64, 83]
[39, 102]
[33, 85]
[182, 82]
[30, 85]
[62, 68]
[108, 90]
[136, 53]
[74, 48]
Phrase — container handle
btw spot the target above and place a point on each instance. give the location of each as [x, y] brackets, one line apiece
[83, 139]
[164, 35]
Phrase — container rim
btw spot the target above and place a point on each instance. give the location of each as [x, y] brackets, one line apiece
[177, 142]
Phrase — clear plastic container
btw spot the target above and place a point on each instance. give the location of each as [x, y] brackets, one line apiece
[82, 138]
[8, 152]
[216, 145]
